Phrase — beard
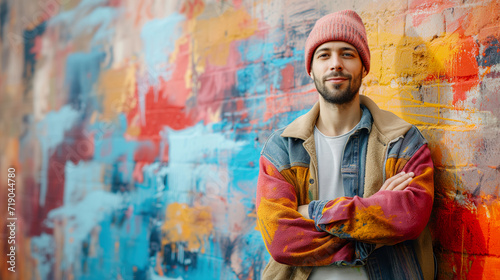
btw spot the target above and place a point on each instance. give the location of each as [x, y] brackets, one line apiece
[336, 95]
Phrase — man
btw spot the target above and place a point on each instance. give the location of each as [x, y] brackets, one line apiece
[346, 190]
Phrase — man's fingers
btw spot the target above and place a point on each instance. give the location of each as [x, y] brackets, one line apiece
[398, 182]
[390, 180]
[403, 185]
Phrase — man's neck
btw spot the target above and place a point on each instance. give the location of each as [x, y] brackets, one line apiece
[335, 120]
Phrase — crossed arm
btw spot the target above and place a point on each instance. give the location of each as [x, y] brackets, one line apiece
[340, 227]
[397, 182]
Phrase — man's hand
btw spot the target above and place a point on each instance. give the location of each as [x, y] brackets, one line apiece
[304, 210]
[397, 182]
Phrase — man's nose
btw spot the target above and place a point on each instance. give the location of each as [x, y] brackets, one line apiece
[336, 63]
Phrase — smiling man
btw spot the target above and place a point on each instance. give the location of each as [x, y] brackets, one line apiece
[346, 190]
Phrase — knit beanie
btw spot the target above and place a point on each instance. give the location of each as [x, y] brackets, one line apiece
[343, 26]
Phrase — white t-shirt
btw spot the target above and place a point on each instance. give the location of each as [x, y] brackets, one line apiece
[329, 154]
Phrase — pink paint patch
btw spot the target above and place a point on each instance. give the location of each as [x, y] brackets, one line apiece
[215, 86]
[37, 47]
[284, 102]
[422, 9]
[287, 77]
[237, 3]
[137, 174]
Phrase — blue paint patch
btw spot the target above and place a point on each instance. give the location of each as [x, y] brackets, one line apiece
[109, 142]
[159, 37]
[82, 71]
[88, 17]
[491, 55]
[43, 251]
[258, 77]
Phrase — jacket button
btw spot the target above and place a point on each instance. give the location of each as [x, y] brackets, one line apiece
[311, 181]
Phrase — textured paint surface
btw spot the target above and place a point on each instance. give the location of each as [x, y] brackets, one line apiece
[135, 127]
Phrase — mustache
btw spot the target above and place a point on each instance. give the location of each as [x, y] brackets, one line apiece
[336, 75]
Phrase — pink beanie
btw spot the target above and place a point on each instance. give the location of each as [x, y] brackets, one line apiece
[344, 26]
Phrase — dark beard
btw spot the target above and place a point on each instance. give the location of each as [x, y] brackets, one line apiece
[342, 96]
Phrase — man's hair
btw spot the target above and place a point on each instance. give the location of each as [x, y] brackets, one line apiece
[344, 26]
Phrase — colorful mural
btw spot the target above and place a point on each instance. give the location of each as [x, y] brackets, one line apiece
[131, 130]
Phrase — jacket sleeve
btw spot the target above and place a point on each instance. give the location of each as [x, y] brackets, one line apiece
[387, 217]
[290, 238]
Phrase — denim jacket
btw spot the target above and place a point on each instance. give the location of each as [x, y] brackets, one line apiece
[344, 231]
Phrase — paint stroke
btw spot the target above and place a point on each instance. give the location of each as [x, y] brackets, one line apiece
[50, 133]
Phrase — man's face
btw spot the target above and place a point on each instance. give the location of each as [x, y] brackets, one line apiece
[337, 71]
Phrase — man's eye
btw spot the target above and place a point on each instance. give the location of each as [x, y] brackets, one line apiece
[348, 54]
[323, 55]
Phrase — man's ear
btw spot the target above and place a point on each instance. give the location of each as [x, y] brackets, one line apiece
[364, 72]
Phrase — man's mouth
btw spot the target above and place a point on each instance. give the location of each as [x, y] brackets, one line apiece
[336, 80]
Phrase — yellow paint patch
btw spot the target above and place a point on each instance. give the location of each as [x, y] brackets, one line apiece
[117, 88]
[407, 63]
[372, 215]
[191, 225]
[212, 37]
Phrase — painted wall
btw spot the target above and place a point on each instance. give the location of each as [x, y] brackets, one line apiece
[135, 127]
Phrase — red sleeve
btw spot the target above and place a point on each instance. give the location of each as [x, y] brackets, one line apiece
[387, 217]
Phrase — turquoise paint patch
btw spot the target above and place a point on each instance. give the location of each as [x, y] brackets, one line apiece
[85, 205]
[100, 18]
[43, 251]
[159, 37]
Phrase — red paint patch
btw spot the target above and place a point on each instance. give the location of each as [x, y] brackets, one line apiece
[459, 229]
[287, 77]
[146, 153]
[494, 220]
[463, 70]
[165, 108]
